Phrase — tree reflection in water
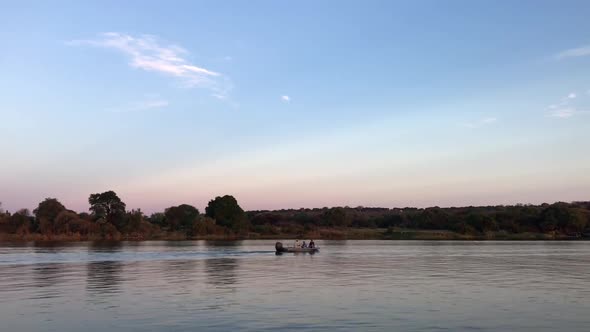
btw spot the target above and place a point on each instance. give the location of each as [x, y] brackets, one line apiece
[221, 272]
[103, 276]
[47, 278]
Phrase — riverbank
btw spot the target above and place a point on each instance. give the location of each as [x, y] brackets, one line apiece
[414, 234]
[319, 234]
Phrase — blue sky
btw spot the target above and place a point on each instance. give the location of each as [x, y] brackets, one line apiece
[295, 104]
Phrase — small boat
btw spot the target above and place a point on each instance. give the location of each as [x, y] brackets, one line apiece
[280, 249]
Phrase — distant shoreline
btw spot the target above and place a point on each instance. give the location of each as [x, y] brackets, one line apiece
[224, 219]
[322, 234]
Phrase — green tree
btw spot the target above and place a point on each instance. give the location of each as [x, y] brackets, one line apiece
[20, 222]
[554, 217]
[562, 217]
[578, 220]
[46, 214]
[4, 223]
[226, 212]
[336, 217]
[157, 218]
[108, 207]
[63, 221]
[481, 222]
[82, 226]
[204, 226]
[134, 220]
[181, 217]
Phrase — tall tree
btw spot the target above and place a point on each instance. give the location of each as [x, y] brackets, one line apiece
[64, 221]
[133, 222]
[49, 209]
[19, 222]
[181, 217]
[226, 212]
[109, 207]
[46, 214]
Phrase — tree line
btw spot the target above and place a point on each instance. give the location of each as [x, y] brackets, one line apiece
[568, 219]
[108, 218]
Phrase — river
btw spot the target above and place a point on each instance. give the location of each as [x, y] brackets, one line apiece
[244, 286]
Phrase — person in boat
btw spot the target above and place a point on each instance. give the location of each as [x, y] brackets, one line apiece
[297, 244]
[311, 244]
[303, 245]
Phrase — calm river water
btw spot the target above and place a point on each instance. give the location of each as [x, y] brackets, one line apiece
[244, 286]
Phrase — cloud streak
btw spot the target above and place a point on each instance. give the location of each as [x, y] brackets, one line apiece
[563, 113]
[147, 53]
[566, 108]
[573, 53]
[566, 112]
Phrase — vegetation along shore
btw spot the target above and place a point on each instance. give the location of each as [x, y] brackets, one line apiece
[224, 219]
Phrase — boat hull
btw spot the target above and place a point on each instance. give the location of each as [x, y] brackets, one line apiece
[280, 249]
[290, 249]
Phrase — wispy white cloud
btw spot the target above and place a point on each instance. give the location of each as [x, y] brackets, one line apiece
[567, 112]
[562, 113]
[479, 123]
[286, 98]
[565, 101]
[146, 52]
[566, 108]
[140, 106]
[573, 53]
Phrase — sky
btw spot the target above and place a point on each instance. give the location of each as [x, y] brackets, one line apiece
[289, 104]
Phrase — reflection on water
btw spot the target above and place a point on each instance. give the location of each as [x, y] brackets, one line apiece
[107, 246]
[349, 285]
[221, 271]
[47, 278]
[104, 278]
[177, 271]
[223, 244]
